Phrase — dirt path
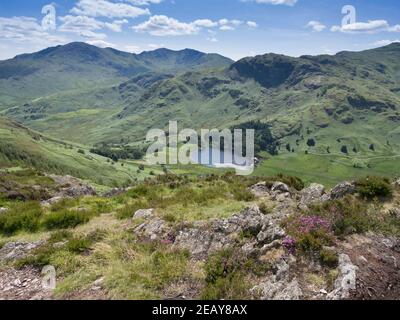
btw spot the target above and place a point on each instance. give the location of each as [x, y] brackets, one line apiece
[25, 284]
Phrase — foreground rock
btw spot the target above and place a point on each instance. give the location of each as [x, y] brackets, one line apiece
[250, 230]
[314, 193]
[280, 285]
[68, 187]
[25, 284]
[17, 250]
[346, 280]
[342, 189]
[144, 214]
[260, 189]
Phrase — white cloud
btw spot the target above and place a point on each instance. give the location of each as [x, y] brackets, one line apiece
[372, 26]
[154, 46]
[116, 26]
[104, 8]
[206, 23]
[212, 39]
[166, 26]
[161, 25]
[395, 28]
[144, 2]
[83, 26]
[235, 22]
[316, 26]
[252, 24]
[274, 2]
[132, 48]
[226, 28]
[229, 25]
[382, 43]
[27, 30]
[100, 43]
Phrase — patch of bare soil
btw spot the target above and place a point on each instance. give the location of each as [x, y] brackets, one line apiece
[378, 262]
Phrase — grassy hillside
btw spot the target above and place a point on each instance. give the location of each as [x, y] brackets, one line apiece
[343, 111]
[81, 66]
[24, 147]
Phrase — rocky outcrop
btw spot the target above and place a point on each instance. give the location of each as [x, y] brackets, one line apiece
[18, 250]
[314, 193]
[280, 187]
[280, 192]
[68, 187]
[51, 201]
[257, 230]
[144, 214]
[154, 229]
[342, 189]
[280, 285]
[72, 187]
[219, 234]
[346, 280]
[260, 189]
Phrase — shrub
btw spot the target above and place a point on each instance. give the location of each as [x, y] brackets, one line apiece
[291, 181]
[329, 258]
[65, 219]
[347, 216]
[264, 208]
[241, 194]
[60, 236]
[39, 258]
[225, 276]
[21, 217]
[311, 142]
[374, 187]
[129, 210]
[232, 287]
[308, 234]
[78, 245]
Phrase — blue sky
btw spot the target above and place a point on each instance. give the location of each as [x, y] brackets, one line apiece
[234, 28]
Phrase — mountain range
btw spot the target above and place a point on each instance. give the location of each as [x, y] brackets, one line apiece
[345, 105]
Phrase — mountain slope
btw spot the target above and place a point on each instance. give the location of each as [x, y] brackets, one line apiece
[347, 93]
[344, 108]
[24, 147]
[82, 66]
[184, 60]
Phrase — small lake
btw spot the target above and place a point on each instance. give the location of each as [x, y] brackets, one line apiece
[220, 159]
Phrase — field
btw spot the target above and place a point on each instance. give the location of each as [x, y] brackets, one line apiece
[328, 169]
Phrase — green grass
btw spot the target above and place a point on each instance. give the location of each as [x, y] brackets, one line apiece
[325, 169]
[22, 146]
[130, 269]
[187, 200]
